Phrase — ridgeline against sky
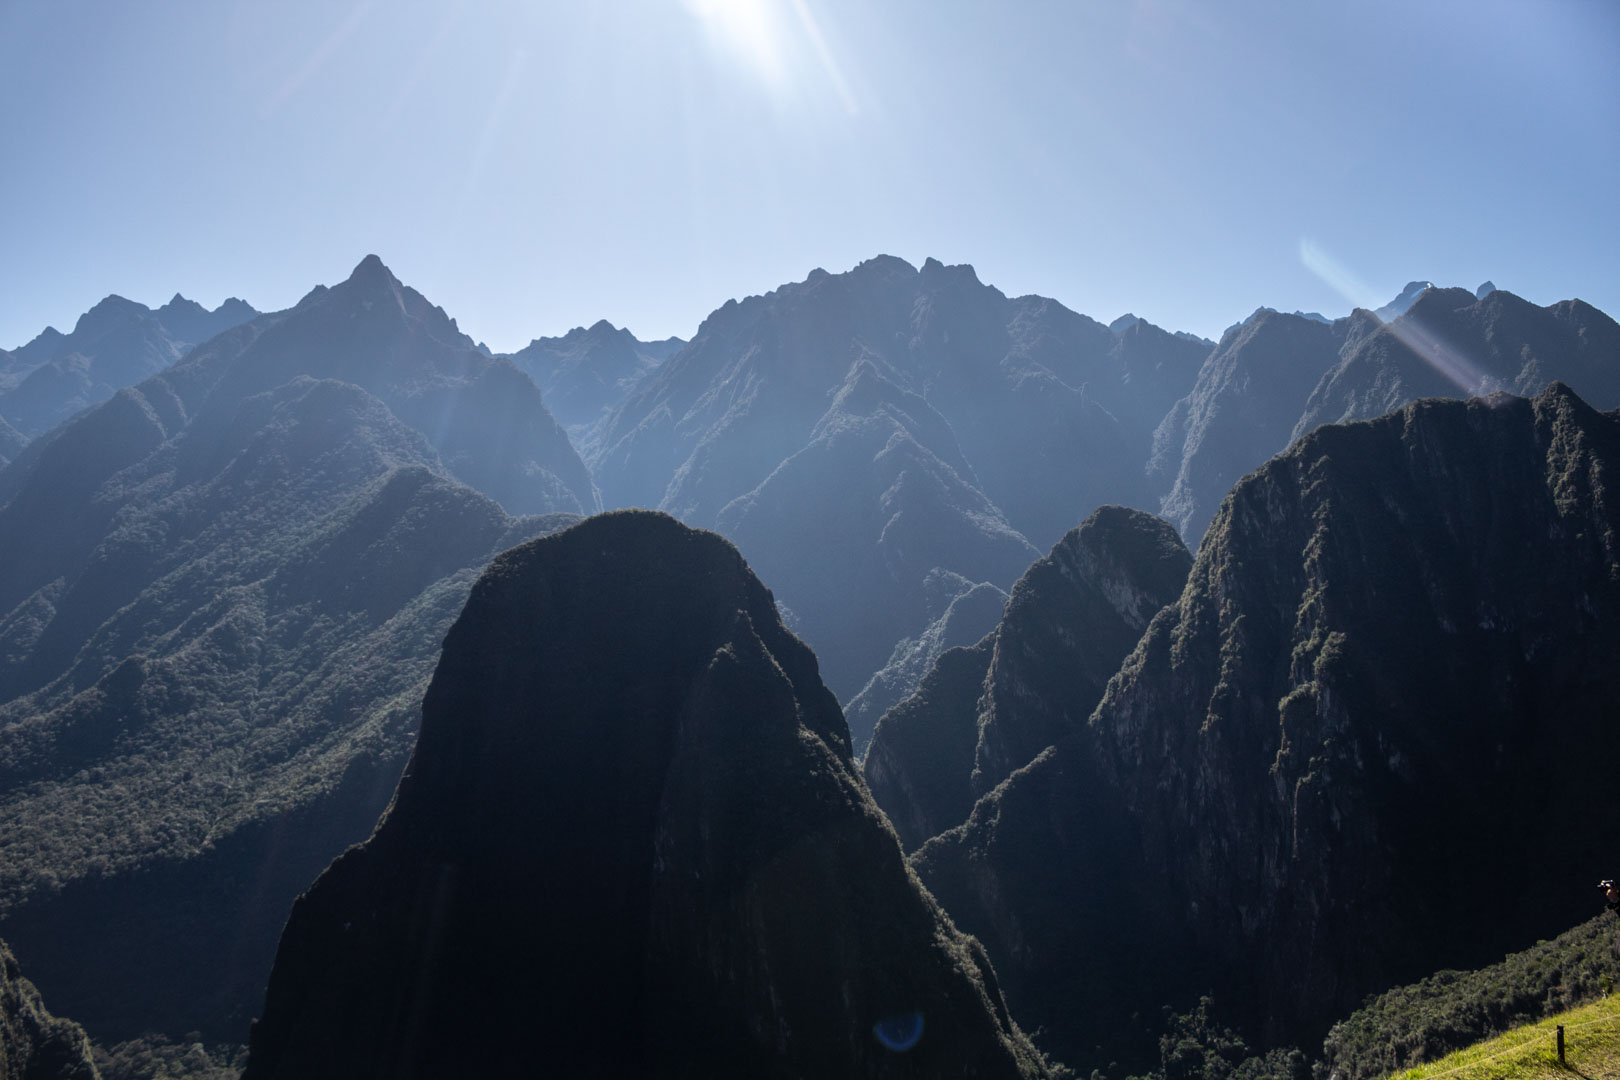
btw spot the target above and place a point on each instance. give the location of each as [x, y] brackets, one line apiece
[535, 167]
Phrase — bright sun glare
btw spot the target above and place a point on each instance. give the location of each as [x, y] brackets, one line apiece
[746, 29]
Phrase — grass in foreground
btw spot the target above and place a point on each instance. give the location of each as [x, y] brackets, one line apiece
[1591, 1050]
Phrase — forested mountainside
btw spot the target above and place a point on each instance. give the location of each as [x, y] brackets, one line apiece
[34, 1045]
[986, 710]
[222, 599]
[631, 841]
[1277, 377]
[1393, 658]
[115, 344]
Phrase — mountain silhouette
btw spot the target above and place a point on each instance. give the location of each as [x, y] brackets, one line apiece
[631, 842]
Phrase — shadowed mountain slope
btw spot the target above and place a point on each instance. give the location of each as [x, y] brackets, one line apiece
[214, 628]
[34, 1045]
[1393, 660]
[987, 711]
[631, 842]
[967, 617]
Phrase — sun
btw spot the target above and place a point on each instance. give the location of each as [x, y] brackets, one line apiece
[748, 31]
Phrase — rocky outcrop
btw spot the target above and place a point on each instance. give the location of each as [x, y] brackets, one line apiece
[987, 711]
[34, 1045]
[1392, 661]
[631, 842]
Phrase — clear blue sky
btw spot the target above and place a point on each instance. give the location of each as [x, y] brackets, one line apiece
[534, 166]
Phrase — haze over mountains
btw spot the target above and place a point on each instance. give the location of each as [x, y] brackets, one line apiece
[223, 589]
[116, 343]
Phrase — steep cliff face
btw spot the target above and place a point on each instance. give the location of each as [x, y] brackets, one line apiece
[631, 842]
[1393, 660]
[987, 711]
[34, 1045]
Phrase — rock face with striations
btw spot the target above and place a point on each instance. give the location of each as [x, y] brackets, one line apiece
[631, 842]
[986, 711]
[1394, 660]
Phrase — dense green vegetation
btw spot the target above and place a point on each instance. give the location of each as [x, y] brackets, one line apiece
[1453, 1009]
[1591, 1048]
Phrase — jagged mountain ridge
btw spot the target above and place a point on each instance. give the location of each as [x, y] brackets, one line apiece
[115, 344]
[1391, 659]
[631, 842]
[808, 388]
[1279, 376]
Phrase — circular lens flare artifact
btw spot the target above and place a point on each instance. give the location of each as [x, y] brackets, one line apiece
[899, 1032]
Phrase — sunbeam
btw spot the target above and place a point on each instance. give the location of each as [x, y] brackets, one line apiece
[1424, 343]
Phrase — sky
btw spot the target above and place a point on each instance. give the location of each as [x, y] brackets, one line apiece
[533, 166]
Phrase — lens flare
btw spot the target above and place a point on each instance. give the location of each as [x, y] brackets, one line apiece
[1423, 342]
[899, 1032]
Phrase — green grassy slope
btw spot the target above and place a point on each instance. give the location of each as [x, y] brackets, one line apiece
[1591, 1049]
[1452, 1010]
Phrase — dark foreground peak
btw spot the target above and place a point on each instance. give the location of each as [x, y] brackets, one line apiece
[631, 842]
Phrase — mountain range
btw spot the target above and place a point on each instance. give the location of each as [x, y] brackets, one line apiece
[115, 344]
[1127, 771]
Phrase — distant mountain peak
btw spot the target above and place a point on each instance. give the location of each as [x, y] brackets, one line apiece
[371, 269]
[1124, 323]
[1405, 300]
[1485, 289]
[935, 272]
[109, 310]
